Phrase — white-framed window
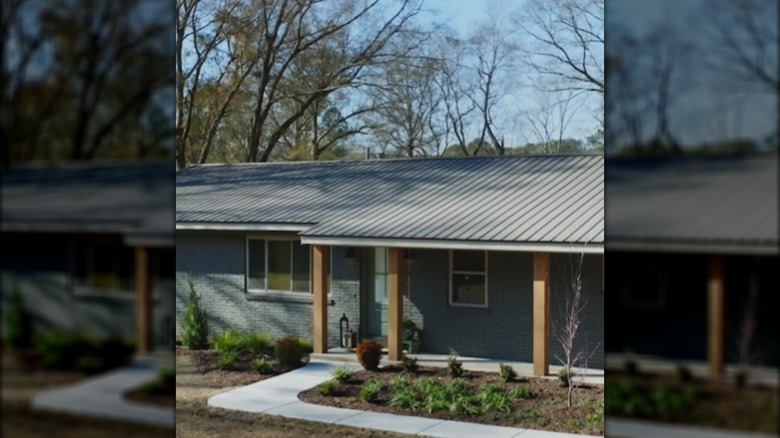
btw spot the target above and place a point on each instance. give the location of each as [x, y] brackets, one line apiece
[102, 267]
[644, 288]
[277, 265]
[468, 278]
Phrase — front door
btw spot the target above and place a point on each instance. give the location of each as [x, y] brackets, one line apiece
[374, 292]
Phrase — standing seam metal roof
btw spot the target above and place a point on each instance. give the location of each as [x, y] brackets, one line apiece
[519, 199]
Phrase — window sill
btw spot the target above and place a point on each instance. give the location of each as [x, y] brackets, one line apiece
[280, 296]
[113, 294]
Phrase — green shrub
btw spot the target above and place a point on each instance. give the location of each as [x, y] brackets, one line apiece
[19, 330]
[522, 392]
[409, 364]
[195, 323]
[740, 378]
[464, 405]
[405, 397]
[369, 353]
[631, 368]
[257, 343]
[328, 388]
[230, 341]
[342, 375]
[227, 360]
[493, 400]
[668, 399]
[165, 384]
[370, 390]
[565, 376]
[682, 374]
[454, 366]
[64, 351]
[457, 387]
[506, 372]
[262, 366]
[306, 344]
[288, 351]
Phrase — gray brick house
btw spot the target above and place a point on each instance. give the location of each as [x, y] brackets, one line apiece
[479, 252]
[89, 246]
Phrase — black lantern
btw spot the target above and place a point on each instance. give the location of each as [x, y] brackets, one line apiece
[343, 330]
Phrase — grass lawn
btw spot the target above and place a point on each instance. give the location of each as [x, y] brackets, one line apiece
[478, 397]
[20, 385]
[194, 418]
[679, 398]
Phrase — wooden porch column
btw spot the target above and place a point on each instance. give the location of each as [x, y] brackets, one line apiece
[320, 282]
[716, 299]
[143, 289]
[541, 313]
[395, 299]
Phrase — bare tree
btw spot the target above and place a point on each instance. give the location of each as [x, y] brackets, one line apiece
[566, 328]
[569, 41]
[551, 116]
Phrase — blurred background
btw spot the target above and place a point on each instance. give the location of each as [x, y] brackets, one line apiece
[692, 214]
[87, 217]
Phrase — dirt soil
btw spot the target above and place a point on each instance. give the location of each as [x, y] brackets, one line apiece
[547, 411]
[194, 418]
[20, 385]
[754, 408]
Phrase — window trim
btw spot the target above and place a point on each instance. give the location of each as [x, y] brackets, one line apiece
[275, 292]
[659, 304]
[452, 272]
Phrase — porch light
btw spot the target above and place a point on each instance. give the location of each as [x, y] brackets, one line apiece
[351, 255]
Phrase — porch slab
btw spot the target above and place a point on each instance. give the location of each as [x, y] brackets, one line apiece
[589, 375]
[762, 375]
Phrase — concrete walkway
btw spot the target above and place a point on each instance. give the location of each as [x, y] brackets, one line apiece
[590, 375]
[102, 396]
[625, 428]
[279, 396]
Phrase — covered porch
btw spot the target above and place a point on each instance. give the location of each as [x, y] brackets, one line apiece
[539, 311]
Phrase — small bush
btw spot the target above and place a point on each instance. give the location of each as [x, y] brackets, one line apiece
[458, 387]
[64, 351]
[370, 390]
[328, 388]
[465, 406]
[401, 383]
[306, 344]
[493, 400]
[565, 376]
[741, 378]
[19, 323]
[288, 351]
[165, 384]
[230, 341]
[454, 366]
[631, 368]
[257, 343]
[342, 375]
[405, 397]
[682, 374]
[262, 366]
[195, 323]
[522, 393]
[409, 364]
[369, 353]
[506, 372]
[227, 360]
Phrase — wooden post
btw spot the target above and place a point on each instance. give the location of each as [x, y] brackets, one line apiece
[320, 283]
[395, 299]
[541, 313]
[716, 298]
[143, 288]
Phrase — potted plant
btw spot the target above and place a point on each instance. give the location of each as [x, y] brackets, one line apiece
[411, 337]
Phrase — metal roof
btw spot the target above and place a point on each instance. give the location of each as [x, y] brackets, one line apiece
[132, 199]
[513, 199]
[708, 205]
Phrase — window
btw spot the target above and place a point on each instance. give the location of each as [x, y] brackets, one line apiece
[468, 278]
[644, 289]
[277, 265]
[102, 266]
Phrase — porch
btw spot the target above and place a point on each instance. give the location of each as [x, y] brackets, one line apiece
[526, 369]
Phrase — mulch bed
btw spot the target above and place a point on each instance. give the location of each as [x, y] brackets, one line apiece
[241, 375]
[719, 404]
[547, 411]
